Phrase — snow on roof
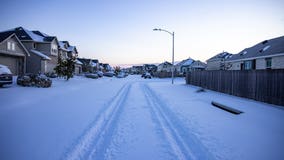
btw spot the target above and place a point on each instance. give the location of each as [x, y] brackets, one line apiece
[188, 62]
[40, 54]
[71, 48]
[34, 36]
[78, 62]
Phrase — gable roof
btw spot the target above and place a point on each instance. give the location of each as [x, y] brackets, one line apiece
[223, 55]
[165, 63]
[265, 48]
[198, 64]
[185, 62]
[85, 61]
[7, 35]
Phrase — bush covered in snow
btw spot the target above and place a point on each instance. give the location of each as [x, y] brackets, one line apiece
[31, 80]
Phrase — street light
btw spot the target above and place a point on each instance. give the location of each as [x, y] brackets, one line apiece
[172, 34]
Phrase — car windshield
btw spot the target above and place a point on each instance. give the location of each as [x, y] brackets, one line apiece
[4, 70]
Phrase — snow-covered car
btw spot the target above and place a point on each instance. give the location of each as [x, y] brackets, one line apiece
[147, 75]
[6, 76]
[109, 74]
[91, 75]
[100, 73]
[121, 75]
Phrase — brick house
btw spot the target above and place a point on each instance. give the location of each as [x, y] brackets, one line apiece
[217, 62]
[268, 54]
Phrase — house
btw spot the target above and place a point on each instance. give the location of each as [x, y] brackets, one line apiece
[86, 65]
[151, 68]
[63, 50]
[43, 49]
[164, 67]
[107, 67]
[95, 64]
[193, 66]
[137, 69]
[180, 68]
[13, 53]
[217, 62]
[197, 66]
[78, 69]
[268, 54]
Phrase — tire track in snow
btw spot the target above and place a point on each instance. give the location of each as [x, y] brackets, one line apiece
[184, 144]
[93, 142]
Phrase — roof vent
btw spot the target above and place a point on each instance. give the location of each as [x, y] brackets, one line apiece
[243, 53]
[264, 49]
[264, 42]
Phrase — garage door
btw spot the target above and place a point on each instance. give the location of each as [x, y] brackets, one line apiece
[11, 62]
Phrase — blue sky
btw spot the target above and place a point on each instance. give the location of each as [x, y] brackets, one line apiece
[120, 31]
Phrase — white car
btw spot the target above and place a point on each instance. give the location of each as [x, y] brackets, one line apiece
[6, 76]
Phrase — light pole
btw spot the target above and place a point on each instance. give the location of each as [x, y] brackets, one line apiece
[172, 34]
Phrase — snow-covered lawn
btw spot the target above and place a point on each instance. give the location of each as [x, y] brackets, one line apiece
[134, 118]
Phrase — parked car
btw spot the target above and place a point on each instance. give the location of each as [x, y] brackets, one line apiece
[109, 74]
[91, 75]
[6, 76]
[100, 73]
[147, 75]
[121, 75]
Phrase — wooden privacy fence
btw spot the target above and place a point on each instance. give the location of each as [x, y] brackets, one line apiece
[261, 85]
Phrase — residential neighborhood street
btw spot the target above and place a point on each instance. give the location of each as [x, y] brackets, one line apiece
[134, 118]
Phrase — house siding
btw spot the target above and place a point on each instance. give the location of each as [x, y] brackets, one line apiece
[37, 65]
[34, 63]
[278, 62]
[235, 65]
[213, 65]
[260, 63]
[14, 59]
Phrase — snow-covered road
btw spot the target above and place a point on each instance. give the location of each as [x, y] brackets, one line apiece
[133, 118]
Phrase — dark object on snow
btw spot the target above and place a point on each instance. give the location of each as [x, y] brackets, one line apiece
[51, 75]
[200, 90]
[91, 75]
[226, 108]
[31, 80]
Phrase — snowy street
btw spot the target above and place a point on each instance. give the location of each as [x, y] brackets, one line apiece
[134, 118]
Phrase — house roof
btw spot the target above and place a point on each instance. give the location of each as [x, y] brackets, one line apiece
[4, 36]
[38, 53]
[26, 35]
[222, 55]
[78, 62]
[84, 61]
[165, 63]
[265, 48]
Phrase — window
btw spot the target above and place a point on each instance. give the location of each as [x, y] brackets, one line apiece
[268, 62]
[53, 49]
[13, 46]
[34, 45]
[9, 45]
[249, 65]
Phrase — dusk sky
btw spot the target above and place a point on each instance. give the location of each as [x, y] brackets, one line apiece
[121, 31]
